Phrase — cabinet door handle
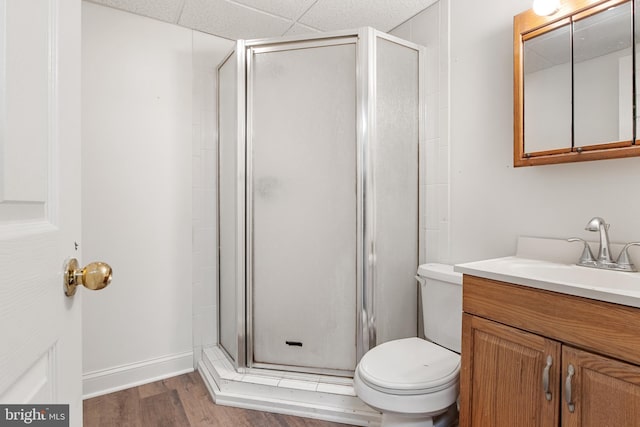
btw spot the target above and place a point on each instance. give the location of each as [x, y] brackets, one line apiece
[545, 378]
[567, 388]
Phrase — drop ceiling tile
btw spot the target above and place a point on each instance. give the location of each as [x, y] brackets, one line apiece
[291, 9]
[384, 15]
[231, 20]
[164, 10]
[300, 29]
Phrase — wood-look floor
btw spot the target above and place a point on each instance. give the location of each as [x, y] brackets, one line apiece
[181, 401]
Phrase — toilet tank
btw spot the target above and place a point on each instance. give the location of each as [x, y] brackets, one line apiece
[441, 293]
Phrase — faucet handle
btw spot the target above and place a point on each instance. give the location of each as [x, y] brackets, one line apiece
[587, 255]
[623, 259]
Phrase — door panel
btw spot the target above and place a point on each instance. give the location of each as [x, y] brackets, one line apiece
[504, 385]
[303, 154]
[35, 384]
[394, 209]
[604, 392]
[40, 356]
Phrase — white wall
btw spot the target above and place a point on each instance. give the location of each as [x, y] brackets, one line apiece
[138, 155]
[491, 202]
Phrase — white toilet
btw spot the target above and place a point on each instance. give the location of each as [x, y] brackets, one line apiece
[414, 382]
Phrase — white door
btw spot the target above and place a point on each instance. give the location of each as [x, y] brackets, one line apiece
[40, 351]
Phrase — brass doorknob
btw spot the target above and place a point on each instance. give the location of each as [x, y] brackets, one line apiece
[94, 276]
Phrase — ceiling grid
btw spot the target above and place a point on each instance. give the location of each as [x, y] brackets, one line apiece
[250, 19]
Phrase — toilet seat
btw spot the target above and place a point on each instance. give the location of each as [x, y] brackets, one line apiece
[409, 366]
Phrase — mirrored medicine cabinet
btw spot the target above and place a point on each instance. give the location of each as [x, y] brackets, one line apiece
[574, 83]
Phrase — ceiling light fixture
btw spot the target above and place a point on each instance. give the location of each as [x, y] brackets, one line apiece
[546, 7]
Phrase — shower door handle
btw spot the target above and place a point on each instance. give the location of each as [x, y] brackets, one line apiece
[371, 327]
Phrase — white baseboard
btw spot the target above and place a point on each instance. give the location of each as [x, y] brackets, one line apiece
[106, 381]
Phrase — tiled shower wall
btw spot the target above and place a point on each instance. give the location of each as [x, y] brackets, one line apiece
[430, 28]
[208, 51]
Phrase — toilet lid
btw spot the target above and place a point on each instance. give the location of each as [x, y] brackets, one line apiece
[409, 366]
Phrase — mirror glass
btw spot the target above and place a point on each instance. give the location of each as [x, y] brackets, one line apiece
[547, 91]
[603, 77]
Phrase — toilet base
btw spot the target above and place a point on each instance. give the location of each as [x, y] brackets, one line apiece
[447, 419]
[395, 420]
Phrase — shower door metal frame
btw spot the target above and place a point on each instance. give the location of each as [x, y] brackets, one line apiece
[240, 358]
[365, 40]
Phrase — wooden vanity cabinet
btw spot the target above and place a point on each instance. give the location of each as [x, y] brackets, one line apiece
[514, 336]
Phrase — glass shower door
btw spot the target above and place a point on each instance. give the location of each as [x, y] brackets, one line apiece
[394, 185]
[302, 205]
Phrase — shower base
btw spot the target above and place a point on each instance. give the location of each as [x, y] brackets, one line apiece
[306, 395]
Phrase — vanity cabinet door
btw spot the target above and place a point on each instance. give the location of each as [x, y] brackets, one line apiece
[502, 375]
[598, 391]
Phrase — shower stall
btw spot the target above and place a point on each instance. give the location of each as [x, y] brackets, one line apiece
[318, 199]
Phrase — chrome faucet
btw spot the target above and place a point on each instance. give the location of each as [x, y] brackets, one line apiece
[604, 260]
[598, 224]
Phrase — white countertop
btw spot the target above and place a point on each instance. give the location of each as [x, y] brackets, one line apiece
[567, 278]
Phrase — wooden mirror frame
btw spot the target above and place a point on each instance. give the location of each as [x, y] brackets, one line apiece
[527, 25]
